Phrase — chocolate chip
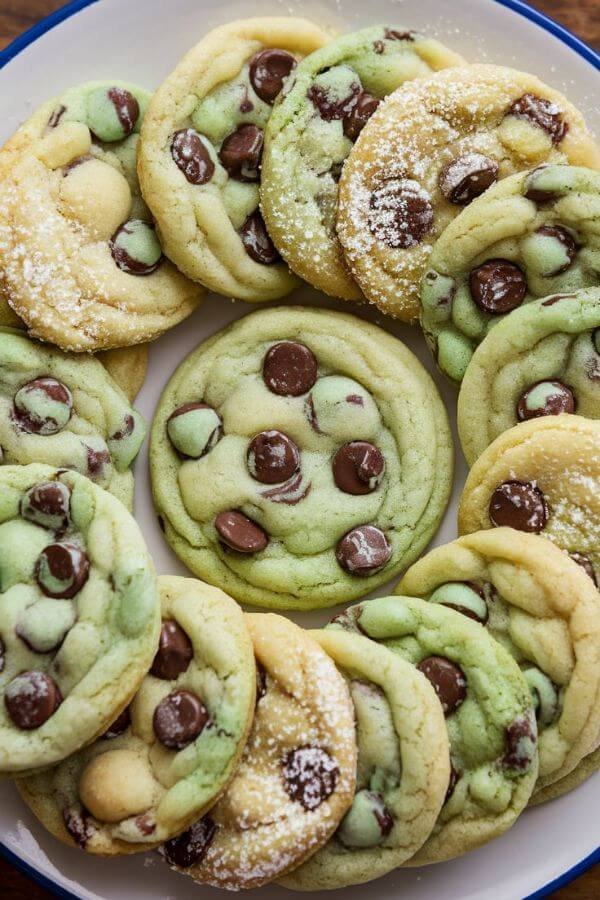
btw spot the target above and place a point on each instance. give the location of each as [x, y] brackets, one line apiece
[310, 775]
[349, 619]
[61, 570]
[241, 152]
[126, 430]
[579, 558]
[261, 681]
[557, 297]
[363, 550]
[543, 113]
[466, 177]
[194, 429]
[31, 698]
[43, 406]
[272, 457]
[257, 243]
[126, 107]
[290, 492]
[331, 107]
[97, 460]
[48, 505]
[567, 243]
[545, 398]
[56, 116]
[174, 654]
[268, 71]
[498, 286]
[289, 369]
[519, 505]
[358, 467]
[466, 597]
[190, 848]
[119, 726]
[385, 820]
[401, 213]
[361, 112]
[240, 533]
[191, 156]
[448, 680]
[520, 738]
[135, 248]
[452, 782]
[145, 824]
[391, 34]
[179, 719]
[78, 826]
[534, 192]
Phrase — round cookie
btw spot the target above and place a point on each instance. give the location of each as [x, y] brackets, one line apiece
[296, 778]
[79, 614]
[541, 360]
[171, 753]
[542, 477]
[201, 148]
[489, 715]
[533, 234]
[299, 458]
[80, 260]
[66, 411]
[588, 766]
[311, 132]
[434, 145]
[403, 767]
[545, 611]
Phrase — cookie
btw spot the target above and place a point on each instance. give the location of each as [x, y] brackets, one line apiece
[541, 360]
[545, 611]
[489, 715]
[586, 768]
[170, 754]
[402, 773]
[296, 778]
[80, 260]
[299, 458]
[65, 410]
[430, 149]
[201, 148]
[79, 614]
[541, 477]
[529, 236]
[313, 127]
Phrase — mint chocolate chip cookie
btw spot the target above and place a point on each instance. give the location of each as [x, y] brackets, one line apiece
[530, 236]
[299, 458]
[541, 360]
[488, 709]
[201, 150]
[66, 411]
[79, 614]
[402, 773]
[314, 125]
[545, 611]
[170, 753]
[80, 260]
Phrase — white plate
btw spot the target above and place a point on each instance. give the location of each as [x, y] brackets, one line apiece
[141, 40]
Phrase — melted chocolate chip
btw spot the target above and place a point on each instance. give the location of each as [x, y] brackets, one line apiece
[78, 826]
[391, 34]
[261, 681]
[498, 286]
[125, 430]
[520, 737]
[126, 107]
[290, 492]
[535, 193]
[145, 824]
[257, 243]
[401, 213]
[56, 116]
[330, 107]
[240, 533]
[579, 558]
[358, 467]
[190, 155]
[31, 698]
[48, 505]
[361, 112]
[190, 848]
[241, 152]
[349, 619]
[174, 654]
[97, 460]
[466, 177]
[179, 719]
[119, 726]
[448, 680]
[61, 570]
[272, 457]
[556, 297]
[452, 782]
[31, 399]
[268, 71]
[463, 608]
[519, 505]
[201, 447]
[124, 259]
[543, 113]
[289, 369]
[557, 398]
[567, 243]
[310, 775]
[363, 550]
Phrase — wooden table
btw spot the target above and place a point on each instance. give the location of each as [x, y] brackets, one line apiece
[582, 17]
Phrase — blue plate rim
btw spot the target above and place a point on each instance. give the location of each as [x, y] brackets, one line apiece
[519, 6]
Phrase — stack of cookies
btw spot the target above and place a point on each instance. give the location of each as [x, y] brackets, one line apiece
[301, 458]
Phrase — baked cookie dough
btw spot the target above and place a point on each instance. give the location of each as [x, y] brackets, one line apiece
[403, 767]
[542, 477]
[433, 146]
[170, 754]
[311, 132]
[65, 411]
[532, 235]
[299, 458]
[296, 779]
[489, 716]
[79, 614]
[545, 611]
[541, 360]
[80, 260]
[201, 148]
[586, 768]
